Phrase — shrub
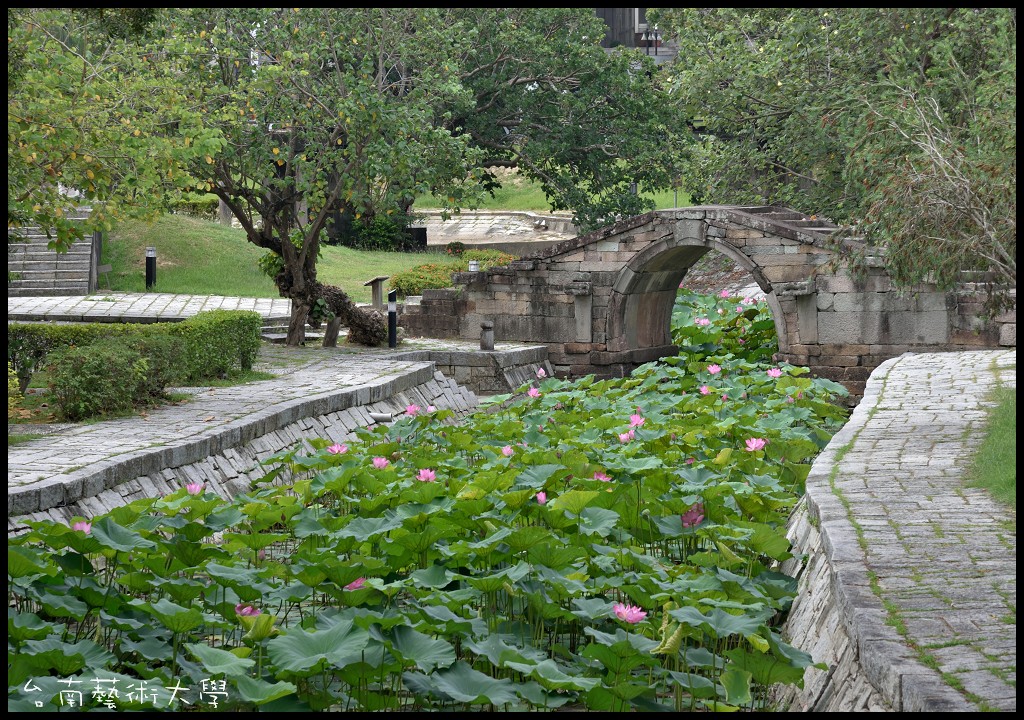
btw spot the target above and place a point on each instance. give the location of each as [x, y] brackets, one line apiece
[14, 394]
[200, 205]
[439, 275]
[217, 342]
[103, 378]
[455, 248]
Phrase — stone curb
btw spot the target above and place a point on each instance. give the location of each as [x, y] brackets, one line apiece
[110, 473]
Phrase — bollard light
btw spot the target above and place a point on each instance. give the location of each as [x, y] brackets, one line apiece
[393, 319]
[150, 267]
[474, 265]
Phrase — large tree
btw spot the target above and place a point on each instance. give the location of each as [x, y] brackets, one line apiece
[323, 111]
[547, 99]
[297, 117]
[900, 122]
[89, 124]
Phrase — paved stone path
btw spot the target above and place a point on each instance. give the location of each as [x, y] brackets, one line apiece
[136, 307]
[921, 552]
[936, 557]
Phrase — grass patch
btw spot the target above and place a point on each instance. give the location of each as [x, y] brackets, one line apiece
[18, 438]
[994, 466]
[200, 257]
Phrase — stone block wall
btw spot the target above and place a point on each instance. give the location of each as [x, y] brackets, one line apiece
[602, 302]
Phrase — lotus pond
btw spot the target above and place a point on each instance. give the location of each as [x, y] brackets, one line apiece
[592, 545]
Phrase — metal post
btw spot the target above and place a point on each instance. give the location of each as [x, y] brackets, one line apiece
[150, 267]
[393, 319]
[487, 335]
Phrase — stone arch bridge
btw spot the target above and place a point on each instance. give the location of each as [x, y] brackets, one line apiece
[602, 302]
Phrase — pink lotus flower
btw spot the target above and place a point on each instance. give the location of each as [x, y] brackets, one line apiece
[380, 463]
[724, 398]
[507, 451]
[724, 294]
[542, 497]
[754, 444]
[714, 369]
[742, 341]
[412, 410]
[630, 613]
[789, 399]
[626, 436]
[721, 311]
[703, 322]
[705, 390]
[541, 373]
[774, 372]
[427, 475]
[533, 392]
[356, 584]
[194, 488]
[602, 477]
[636, 420]
[739, 309]
[694, 516]
[748, 301]
[431, 408]
[690, 461]
[85, 527]
[337, 449]
[246, 610]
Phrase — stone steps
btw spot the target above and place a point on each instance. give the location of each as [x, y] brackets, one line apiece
[38, 270]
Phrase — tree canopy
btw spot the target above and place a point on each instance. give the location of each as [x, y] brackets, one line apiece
[900, 122]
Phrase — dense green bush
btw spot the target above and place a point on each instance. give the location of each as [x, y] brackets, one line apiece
[214, 343]
[103, 378]
[439, 274]
[200, 205]
[217, 342]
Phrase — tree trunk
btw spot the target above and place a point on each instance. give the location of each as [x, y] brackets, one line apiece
[365, 327]
[297, 322]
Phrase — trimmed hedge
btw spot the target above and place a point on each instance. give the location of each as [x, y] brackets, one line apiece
[208, 345]
[439, 275]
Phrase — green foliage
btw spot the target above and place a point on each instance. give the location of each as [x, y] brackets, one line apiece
[88, 113]
[208, 345]
[439, 274]
[200, 205]
[994, 465]
[103, 378]
[218, 341]
[706, 325]
[899, 122]
[455, 248]
[337, 584]
[14, 393]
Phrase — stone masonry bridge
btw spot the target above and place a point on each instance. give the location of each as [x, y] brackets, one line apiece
[602, 302]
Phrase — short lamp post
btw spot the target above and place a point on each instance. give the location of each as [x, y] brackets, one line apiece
[651, 37]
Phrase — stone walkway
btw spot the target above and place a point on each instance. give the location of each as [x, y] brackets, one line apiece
[928, 564]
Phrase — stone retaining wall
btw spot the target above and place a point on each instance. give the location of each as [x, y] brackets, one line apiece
[228, 460]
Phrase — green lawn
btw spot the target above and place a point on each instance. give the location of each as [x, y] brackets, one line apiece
[202, 257]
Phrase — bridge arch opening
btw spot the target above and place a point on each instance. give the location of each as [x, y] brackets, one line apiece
[645, 290]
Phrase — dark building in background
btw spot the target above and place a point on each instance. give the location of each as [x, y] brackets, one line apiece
[628, 27]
